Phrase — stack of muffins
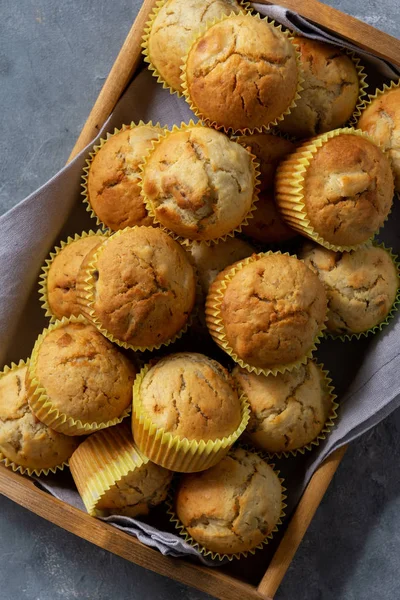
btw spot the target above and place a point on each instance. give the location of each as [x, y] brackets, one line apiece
[198, 229]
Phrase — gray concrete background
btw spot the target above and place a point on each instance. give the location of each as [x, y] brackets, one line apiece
[54, 57]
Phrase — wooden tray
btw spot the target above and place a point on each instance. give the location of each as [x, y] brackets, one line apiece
[224, 582]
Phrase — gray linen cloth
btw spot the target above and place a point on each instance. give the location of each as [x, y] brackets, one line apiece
[365, 372]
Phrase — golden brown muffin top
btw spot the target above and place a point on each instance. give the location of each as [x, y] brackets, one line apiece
[381, 119]
[361, 285]
[269, 150]
[199, 183]
[62, 275]
[146, 287]
[113, 180]
[272, 310]
[172, 31]
[233, 506]
[210, 260]
[192, 396]
[330, 93]
[83, 374]
[242, 73]
[287, 411]
[348, 190]
[24, 440]
[266, 225]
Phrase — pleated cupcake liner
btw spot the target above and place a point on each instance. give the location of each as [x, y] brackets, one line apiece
[216, 326]
[265, 128]
[92, 155]
[43, 290]
[290, 177]
[41, 404]
[86, 289]
[178, 525]
[368, 99]
[171, 451]
[187, 241]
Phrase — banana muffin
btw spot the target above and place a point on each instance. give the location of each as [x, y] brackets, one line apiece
[25, 442]
[241, 74]
[381, 119]
[172, 30]
[142, 290]
[330, 90]
[76, 377]
[266, 225]
[198, 183]
[361, 285]
[287, 411]
[113, 190]
[114, 478]
[345, 193]
[60, 279]
[232, 507]
[267, 311]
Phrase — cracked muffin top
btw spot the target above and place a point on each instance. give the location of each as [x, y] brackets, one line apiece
[266, 225]
[287, 411]
[62, 275]
[211, 260]
[233, 506]
[145, 287]
[330, 90]
[199, 183]
[83, 374]
[142, 485]
[191, 396]
[361, 285]
[173, 28]
[381, 119]
[348, 190]
[24, 440]
[241, 74]
[272, 310]
[113, 179]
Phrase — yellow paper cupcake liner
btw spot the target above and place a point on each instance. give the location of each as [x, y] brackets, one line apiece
[145, 44]
[371, 97]
[11, 464]
[173, 452]
[40, 402]
[290, 178]
[182, 240]
[216, 326]
[101, 461]
[174, 519]
[92, 154]
[43, 293]
[246, 130]
[393, 310]
[85, 291]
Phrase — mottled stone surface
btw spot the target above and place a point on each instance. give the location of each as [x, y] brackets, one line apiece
[54, 57]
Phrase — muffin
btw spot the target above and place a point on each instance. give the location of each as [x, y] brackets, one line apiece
[241, 74]
[331, 90]
[210, 260]
[59, 275]
[198, 183]
[361, 286]
[186, 412]
[114, 478]
[267, 312]
[233, 507]
[77, 380]
[170, 31]
[381, 119]
[140, 288]
[112, 177]
[336, 189]
[267, 226]
[26, 444]
[287, 411]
